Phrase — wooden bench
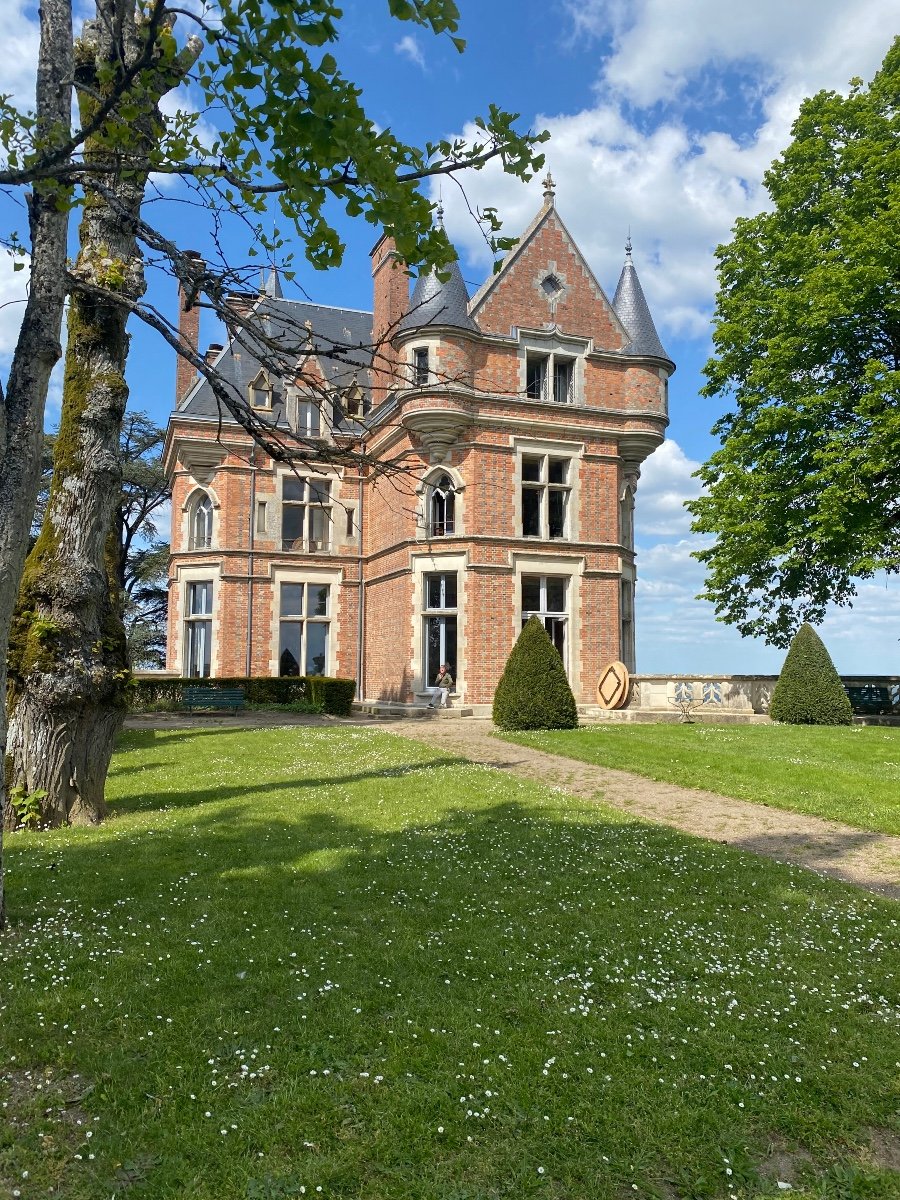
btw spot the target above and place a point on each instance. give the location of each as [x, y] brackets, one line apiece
[212, 697]
[870, 698]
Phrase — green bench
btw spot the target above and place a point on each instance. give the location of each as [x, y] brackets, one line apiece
[212, 697]
[870, 698]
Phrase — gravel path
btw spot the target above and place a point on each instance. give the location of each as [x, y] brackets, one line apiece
[868, 860]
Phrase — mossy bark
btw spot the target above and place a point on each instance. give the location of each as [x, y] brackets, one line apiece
[68, 668]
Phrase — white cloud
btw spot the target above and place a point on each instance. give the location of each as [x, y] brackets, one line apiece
[409, 47]
[666, 483]
[13, 295]
[661, 47]
[677, 185]
[20, 53]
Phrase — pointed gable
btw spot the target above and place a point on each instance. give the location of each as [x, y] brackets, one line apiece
[545, 281]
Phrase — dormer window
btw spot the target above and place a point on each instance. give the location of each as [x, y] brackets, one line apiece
[421, 372]
[260, 392]
[353, 402]
[309, 418]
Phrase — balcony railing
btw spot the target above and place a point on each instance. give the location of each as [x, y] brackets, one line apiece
[306, 545]
[438, 529]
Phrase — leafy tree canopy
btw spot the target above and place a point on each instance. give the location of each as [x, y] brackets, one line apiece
[281, 120]
[802, 496]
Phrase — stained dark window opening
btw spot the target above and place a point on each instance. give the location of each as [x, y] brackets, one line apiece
[531, 512]
[536, 376]
[531, 469]
[556, 514]
[420, 366]
[563, 378]
[551, 286]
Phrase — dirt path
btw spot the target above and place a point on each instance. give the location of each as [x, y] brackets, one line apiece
[869, 860]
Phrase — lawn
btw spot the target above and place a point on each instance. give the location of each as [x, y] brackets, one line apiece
[331, 962]
[844, 773]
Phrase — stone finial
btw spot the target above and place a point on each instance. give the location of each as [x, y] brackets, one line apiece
[439, 213]
[549, 189]
[628, 245]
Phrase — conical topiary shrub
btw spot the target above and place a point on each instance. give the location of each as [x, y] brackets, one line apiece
[533, 692]
[809, 690]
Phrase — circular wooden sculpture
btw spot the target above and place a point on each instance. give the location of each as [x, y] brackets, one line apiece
[612, 687]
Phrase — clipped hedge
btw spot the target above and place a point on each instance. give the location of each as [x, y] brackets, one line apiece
[533, 692]
[334, 695]
[809, 690]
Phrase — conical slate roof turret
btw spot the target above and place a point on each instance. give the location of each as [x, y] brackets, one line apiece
[631, 308]
[440, 303]
[272, 285]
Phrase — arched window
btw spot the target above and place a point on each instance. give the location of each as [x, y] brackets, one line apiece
[202, 523]
[441, 505]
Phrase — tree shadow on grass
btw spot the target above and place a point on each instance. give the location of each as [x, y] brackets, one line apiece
[468, 916]
[149, 801]
[827, 853]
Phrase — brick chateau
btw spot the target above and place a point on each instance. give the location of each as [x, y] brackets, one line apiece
[521, 417]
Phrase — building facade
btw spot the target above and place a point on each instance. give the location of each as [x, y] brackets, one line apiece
[503, 437]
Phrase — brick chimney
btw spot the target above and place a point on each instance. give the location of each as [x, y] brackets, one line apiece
[390, 302]
[188, 334]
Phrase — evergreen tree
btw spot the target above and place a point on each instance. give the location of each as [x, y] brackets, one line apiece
[533, 692]
[809, 690]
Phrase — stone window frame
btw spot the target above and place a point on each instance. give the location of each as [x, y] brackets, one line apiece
[542, 447]
[192, 502]
[297, 399]
[185, 577]
[260, 383]
[437, 563]
[421, 345]
[425, 490]
[569, 567]
[548, 345]
[318, 577]
[306, 477]
[441, 612]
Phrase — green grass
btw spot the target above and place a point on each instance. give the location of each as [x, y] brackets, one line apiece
[845, 774]
[303, 959]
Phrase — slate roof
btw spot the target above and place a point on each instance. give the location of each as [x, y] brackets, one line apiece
[437, 303]
[341, 338]
[630, 306]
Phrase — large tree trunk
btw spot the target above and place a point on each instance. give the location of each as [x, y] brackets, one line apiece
[37, 350]
[68, 663]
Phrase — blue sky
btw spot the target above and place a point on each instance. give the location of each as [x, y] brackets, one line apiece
[664, 115]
